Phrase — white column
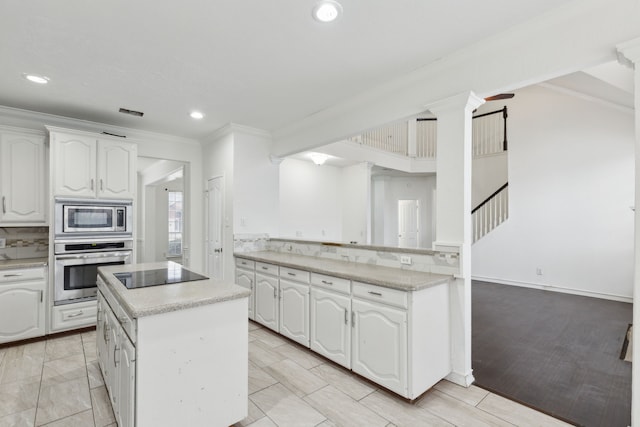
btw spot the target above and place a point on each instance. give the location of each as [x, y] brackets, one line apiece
[629, 53]
[453, 219]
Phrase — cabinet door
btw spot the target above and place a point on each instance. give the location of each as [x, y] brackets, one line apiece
[126, 365]
[22, 179]
[246, 279]
[330, 331]
[74, 165]
[112, 380]
[266, 310]
[21, 311]
[101, 334]
[116, 176]
[380, 344]
[294, 311]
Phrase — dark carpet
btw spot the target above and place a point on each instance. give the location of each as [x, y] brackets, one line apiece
[555, 352]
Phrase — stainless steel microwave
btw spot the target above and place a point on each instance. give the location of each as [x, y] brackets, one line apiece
[92, 218]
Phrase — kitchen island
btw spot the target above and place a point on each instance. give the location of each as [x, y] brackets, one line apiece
[174, 352]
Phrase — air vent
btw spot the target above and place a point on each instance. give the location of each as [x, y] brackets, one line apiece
[131, 112]
[114, 134]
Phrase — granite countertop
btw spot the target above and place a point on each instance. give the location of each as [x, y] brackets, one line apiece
[166, 298]
[396, 278]
[7, 264]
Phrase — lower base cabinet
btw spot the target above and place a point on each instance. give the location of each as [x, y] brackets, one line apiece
[266, 301]
[330, 314]
[294, 311]
[22, 304]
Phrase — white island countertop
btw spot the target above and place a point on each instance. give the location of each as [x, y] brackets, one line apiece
[160, 299]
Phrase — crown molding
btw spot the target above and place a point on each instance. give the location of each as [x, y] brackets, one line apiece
[233, 128]
[41, 121]
[586, 97]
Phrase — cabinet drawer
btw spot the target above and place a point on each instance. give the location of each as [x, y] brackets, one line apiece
[245, 263]
[21, 274]
[380, 294]
[294, 274]
[329, 282]
[265, 268]
[72, 316]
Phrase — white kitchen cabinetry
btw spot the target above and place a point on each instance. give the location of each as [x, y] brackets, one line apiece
[89, 165]
[246, 277]
[22, 303]
[266, 295]
[330, 318]
[73, 316]
[379, 344]
[116, 357]
[294, 305]
[22, 177]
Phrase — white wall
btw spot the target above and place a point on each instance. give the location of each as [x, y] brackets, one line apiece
[571, 183]
[387, 190]
[489, 173]
[310, 201]
[255, 203]
[355, 188]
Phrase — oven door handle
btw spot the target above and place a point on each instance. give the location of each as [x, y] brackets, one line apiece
[96, 255]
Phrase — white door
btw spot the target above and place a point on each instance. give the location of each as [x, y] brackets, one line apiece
[267, 301]
[408, 223]
[330, 319]
[294, 311]
[380, 344]
[215, 190]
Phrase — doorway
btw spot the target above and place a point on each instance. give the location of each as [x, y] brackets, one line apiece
[408, 223]
[215, 192]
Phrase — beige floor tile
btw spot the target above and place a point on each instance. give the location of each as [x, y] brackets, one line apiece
[327, 423]
[470, 395]
[457, 412]
[19, 419]
[64, 369]
[102, 410]
[263, 355]
[58, 348]
[62, 399]
[343, 410]
[304, 358]
[259, 379]
[517, 414]
[268, 337]
[294, 377]
[254, 414]
[253, 325]
[344, 381]
[401, 413]
[21, 368]
[83, 419]
[94, 374]
[284, 408]
[263, 422]
[19, 396]
[34, 350]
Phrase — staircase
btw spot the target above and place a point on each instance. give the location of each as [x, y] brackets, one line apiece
[417, 139]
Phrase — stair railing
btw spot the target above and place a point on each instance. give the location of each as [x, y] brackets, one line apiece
[491, 212]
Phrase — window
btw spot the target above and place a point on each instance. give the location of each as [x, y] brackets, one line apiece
[175, 223]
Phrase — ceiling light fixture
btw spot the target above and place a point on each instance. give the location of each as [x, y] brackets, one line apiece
[327, 11]
[196, 115]
[34, 78]
[319, 158]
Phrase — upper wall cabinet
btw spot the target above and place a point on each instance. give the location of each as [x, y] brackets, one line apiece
[22, 177]
[90, 166]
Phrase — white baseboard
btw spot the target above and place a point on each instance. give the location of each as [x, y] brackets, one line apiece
[465, 380]
[551, 288]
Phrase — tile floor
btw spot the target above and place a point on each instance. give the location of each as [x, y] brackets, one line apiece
[57, 383]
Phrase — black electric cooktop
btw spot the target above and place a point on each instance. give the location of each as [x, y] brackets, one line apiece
[161, 276]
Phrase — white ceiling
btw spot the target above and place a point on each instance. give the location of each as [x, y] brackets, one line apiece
[264, 64]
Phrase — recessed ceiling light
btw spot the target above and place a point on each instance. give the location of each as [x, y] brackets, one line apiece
[34, 78]
[327, 11]
[196, 115]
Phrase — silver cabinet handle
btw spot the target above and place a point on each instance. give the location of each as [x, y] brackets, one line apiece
[275, 293]
[346, 317]
[115, 350]
[76, 314]
[41, 293]
[353, 319]
[265, 268]
[291, 274]
[378, 294]
[4, 204]
[91, 183]
[327, 283]
[101, 185]
[13, 275]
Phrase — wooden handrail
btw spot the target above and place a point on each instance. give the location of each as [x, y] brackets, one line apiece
[494, 194]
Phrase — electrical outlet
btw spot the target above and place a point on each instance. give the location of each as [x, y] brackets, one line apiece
[405, 260]
[3, 242]
[538, 271]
